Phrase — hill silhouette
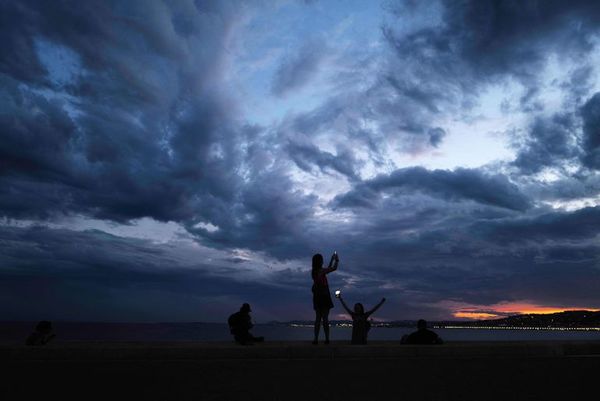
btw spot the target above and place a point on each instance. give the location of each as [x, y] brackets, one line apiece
[575, 318]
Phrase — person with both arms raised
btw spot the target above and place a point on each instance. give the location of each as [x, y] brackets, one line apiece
[360, 322]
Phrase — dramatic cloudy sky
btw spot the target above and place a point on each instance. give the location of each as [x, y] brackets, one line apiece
[169, 160]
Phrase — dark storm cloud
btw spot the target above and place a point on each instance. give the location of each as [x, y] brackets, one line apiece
[582, 185]
[146, 128]
[580, 82]
[563, 139]
[308, 156]
[93, 275]
[297, 69]
[486, 39]
[581, 224]
[461, 184]
[18, 57]
[436, 135]
[270, 216]
[109, 145]
[590, 113]
[35, 133]
[81, 274]
[551, 142]
[440, 251]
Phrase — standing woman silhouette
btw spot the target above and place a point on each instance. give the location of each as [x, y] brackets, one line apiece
[321, 297]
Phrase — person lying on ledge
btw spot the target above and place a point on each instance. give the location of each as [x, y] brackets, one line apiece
[422, 335]
[42, 334]
[240, 324]
[360, 322]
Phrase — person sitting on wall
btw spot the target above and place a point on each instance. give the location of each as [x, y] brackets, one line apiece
[422, 335]
[240, 324]
[42, 334]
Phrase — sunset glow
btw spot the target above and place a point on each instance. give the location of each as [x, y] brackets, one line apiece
[475, 315]
[504, 309]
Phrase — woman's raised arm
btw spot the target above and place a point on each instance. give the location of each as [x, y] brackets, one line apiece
[333, 264]
[329, 269]
[345, 306]
[376, 307]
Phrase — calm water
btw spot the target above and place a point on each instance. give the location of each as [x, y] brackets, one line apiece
[17, 332]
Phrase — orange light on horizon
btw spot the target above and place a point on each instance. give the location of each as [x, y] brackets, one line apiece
[475, 315]
[503, 309]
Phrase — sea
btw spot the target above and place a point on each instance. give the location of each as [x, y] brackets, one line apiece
[16, 332]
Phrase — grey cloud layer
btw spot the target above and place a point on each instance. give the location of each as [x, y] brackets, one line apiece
[591, 132]
[93, 275]
[479, 41]
[461, 184]
[146, 129]
[551, 142]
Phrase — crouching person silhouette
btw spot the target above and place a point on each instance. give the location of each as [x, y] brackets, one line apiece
[422, 336]
[360, 322]
[240, 324]
[42, 334]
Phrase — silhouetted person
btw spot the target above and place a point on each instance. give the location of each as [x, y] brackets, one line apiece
[240, 324]
[360, 322]
[42, 334]
[422, 335]
[322, 302]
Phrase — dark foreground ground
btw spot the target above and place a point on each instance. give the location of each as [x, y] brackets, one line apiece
[300, 371]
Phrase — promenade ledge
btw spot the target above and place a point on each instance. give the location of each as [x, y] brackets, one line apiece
[300, 371]
[293, 350]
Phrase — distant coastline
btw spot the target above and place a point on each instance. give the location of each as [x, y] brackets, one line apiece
[580, 320]
[16, 332]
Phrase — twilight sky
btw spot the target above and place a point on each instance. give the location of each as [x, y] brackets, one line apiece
[169, 160]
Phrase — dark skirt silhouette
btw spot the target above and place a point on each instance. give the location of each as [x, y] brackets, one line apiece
[321, 297]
